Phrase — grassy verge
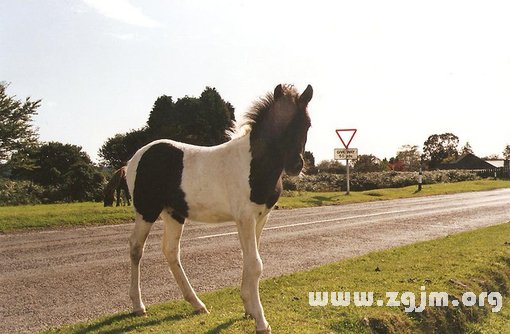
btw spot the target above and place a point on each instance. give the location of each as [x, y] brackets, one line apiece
[494, 323]
[37, 217]
[474, 261]
[44, 216]
[308, 199]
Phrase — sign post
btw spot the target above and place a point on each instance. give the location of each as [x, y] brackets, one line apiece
[348, 192]
[347, 154]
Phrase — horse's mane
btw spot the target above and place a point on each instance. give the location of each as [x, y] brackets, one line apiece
[258, 110]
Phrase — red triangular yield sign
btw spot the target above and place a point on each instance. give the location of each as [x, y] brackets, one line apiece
[353, 132]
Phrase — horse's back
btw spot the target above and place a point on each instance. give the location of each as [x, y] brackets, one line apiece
[201, 183]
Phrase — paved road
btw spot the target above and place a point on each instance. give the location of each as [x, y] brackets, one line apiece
[56, 277]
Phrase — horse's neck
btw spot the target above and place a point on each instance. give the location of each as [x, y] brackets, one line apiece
[266, 162]
[266, 169]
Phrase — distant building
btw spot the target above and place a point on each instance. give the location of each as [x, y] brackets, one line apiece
[468, 161]
[484, 168]
[498, 163]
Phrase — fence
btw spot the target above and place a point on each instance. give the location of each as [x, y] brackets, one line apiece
[500, 173]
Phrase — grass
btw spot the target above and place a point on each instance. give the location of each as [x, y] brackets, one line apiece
[308, 199]
[40, 217]
[494, 323]
[473, 261]
[46, 216]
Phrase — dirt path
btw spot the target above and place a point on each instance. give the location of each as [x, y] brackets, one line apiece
[57, 277]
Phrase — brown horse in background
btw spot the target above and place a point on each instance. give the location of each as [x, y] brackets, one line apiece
[116, 184]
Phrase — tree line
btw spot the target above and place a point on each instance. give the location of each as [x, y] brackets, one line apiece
[32, 171]
[438, 149]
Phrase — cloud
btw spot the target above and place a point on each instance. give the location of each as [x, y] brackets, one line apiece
[123, 11]
[123, 37]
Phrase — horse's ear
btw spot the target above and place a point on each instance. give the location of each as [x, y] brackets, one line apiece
[278, 92]
[306, 96]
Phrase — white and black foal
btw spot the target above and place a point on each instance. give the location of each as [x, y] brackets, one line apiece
[239, 181]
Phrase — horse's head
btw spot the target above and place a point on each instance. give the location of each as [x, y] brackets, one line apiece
[293, 114]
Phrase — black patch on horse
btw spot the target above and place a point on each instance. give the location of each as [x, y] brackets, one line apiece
[158, 183]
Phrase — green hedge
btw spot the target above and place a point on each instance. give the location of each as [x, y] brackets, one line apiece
[22, 192]
[323, 182]
[26, 192]
[19, 192]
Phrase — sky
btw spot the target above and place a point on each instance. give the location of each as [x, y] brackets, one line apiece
[397, 71]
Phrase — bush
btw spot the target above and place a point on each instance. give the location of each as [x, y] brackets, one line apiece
[323, 182]
[19, 192]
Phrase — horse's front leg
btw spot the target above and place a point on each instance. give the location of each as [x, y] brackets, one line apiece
[128, 196]
[252, 270]
[260, 226]
[117, 191]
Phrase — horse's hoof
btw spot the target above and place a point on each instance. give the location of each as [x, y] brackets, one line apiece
[264, 331]
[140, 313]
[202, 310]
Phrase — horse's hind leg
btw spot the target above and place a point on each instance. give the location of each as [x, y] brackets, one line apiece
[124, 187]
[137, 245]
[128, 196]
[171, 248]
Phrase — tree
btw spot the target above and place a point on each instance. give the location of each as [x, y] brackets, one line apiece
[117, 150]
[331, 167]
[198, 121]
[385, 164]
[65, 171]
[161, 113]
[491, 157]
[441, 148]
[82, 182]
[410, 158]
[218, 116]
[396, 165]
[309, 159]
[17, 131]
[367, 163]
[466, 149]
[506, 152]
